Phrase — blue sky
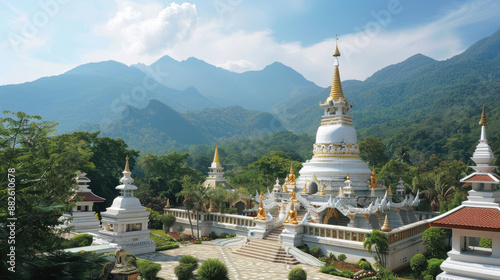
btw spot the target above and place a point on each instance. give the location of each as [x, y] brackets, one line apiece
[49, 37]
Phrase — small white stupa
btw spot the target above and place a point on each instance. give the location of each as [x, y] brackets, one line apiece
[82, 217]
[125, 223]
[216, 173]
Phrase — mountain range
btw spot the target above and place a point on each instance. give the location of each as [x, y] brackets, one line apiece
[170, 103]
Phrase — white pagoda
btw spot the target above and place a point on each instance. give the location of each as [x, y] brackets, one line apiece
[125, 223]
[477, 217]
[336, 151]
[216, 173]
[82, 217]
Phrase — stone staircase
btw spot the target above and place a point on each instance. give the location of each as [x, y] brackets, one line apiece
[266, 250]
[274, 234]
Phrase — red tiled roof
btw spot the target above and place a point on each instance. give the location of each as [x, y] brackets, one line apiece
[88, 196]
[480, 178]
[475, 218]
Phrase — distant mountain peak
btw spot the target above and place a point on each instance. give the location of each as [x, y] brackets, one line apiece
[109, 67]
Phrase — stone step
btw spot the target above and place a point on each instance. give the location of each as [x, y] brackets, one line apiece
[265, 257]
[267, 250]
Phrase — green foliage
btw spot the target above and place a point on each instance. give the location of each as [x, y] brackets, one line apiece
[418, 264]
[167, 247]
[342, 258]
[434, 238]
[428, 277]
[297, 273]
[315, 251]
[213, 269]
[154, 219]
[168, 221]
[187, 259]
[384, 273]
[148, 269]
[333, 271]
[304, 248]
[164, 242]
[485, 243]
[363, 264]
[184, 271]
[433, 267]
[372, 150]
[79, 240]
[379, 240]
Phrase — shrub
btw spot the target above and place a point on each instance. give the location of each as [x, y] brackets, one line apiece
[297, 273]
[434, 239]
[184, 271]
[315, 251]
[167, 247]
[213, 269]
[187, 259]
[342, 258]
[148, 269]
[485, 243]
[364, 265]
[323, 259]
[333, 271]
[79, 240]
[428, 277]
[384, 273]
[304, 249]
[168, 221]
[418, 264]
[222, 235]
[212, 235]
[433, 267]
[347, 273]
[331, 256]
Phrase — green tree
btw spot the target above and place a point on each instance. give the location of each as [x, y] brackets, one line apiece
[418, 264]
[372, 150]
[434, 239]
[168, 221]
[297, 273]
[379, 240]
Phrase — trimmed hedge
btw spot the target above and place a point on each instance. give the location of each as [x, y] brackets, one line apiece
[213, 269]
[79, 240]
[167, 247]
[148, 269]
[297, 273]
[333, 271]
[184, 271]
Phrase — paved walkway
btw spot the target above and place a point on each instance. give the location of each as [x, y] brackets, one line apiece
[240, 267]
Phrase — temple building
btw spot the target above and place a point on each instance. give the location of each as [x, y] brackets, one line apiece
[478, 217]
[82, 217]
[336, 151]
[216, 173]
[125, 223]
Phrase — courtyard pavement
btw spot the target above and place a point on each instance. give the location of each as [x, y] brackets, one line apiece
[240, 267]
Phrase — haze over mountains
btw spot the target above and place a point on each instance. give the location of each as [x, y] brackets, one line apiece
[195, 102]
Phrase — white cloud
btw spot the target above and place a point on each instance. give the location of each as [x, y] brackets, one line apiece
[148, 29]
[237, 66]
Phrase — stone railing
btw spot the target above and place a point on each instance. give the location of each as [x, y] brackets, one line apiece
[407, 231]
[230, 219]
[212, 217]
[425, 215]
[336, 232]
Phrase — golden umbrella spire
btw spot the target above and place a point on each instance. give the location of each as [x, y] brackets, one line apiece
[127, 166]
[385, 227]
[216, 156]
[336, 91]
[483, 120]
[291, 167]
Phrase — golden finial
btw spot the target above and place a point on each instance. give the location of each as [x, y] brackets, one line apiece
[291, 167]
[389, 190]
[216, 156]
[336, 91]
[127, 167]
[347, 177]
[386, 227]
[168, 204]
[336, 51]
[483, 120]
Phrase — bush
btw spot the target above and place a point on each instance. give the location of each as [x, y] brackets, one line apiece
[323, 259]
[485, 243]
[433, 267]
[342, 258]
[331, 256]
[213, 269]
[364, 265]
[315, 251]
[184, 271]
[212, 235]
[79, 240]
[434, 239]
[148, 269]
[187, 259]
[305, 249]
[428, 277]
[418, 264]
[168, 221]
[222, 235]
[297, 273]
[167, 247]
[333, 271]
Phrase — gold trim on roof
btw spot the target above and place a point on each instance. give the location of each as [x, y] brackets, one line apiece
[336, 90]
[483, 120]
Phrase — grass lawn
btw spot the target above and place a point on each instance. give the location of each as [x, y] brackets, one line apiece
[406, 274]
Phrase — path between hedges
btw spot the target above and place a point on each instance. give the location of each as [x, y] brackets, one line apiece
[240, 267]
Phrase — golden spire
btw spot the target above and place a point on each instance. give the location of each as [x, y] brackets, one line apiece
[347, 177]
[389, 190]
[291, 167]
[127, 167]
[483, 120]
[336, 51]
[216, 156]
[336, 91]
[386, 227]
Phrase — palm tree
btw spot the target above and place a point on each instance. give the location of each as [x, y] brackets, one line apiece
[379, 240]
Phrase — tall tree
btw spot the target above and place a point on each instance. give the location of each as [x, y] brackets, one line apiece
[372, 150]
[379, 240]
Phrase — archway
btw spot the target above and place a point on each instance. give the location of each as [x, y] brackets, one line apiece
[240, 206]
